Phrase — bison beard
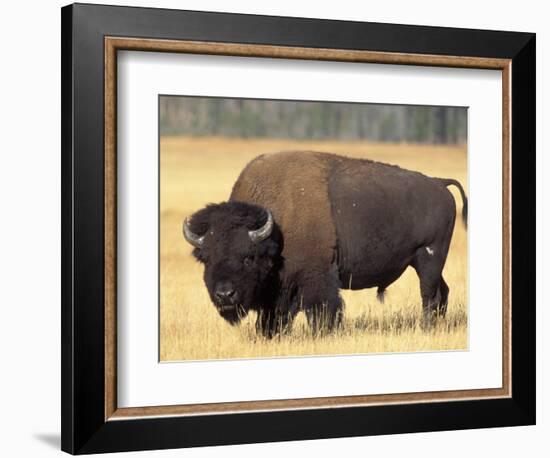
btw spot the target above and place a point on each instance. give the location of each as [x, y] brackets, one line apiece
[300, 226]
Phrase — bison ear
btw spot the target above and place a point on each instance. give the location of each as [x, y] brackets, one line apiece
[273, 249]
[199, 255]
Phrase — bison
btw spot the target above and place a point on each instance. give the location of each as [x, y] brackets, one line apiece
[299, 226]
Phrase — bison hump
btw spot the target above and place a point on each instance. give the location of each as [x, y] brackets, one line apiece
[294, 187]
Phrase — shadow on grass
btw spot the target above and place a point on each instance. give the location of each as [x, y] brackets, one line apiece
[394, 324]
[400, 322]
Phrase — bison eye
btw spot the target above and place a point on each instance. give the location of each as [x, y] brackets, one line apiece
[248, 261]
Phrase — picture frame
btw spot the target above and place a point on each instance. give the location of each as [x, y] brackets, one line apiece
[92, 35]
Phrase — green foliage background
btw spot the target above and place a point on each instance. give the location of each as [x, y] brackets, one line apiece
[254, 118]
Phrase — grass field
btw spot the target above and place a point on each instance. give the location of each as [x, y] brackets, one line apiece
[197, 171]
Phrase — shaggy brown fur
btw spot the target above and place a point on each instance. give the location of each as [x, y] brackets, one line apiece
[294, 187]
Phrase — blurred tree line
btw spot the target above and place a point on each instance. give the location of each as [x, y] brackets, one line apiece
[248, 118]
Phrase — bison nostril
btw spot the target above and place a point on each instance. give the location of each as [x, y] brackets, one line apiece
[225, 293]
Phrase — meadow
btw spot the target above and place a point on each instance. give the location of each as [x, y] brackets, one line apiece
[195, 171]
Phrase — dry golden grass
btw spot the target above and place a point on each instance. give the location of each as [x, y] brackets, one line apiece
[197, 171]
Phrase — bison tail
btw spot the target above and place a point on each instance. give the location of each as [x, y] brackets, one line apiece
[452, 182]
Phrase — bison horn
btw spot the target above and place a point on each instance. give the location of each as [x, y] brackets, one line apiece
[264, 232]
[194, 239]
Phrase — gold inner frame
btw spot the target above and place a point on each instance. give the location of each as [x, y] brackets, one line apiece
[114, 44]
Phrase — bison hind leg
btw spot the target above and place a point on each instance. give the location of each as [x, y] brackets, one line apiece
[433, 288]
[435, 305]
[444, 289]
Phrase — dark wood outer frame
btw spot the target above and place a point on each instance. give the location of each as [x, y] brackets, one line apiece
[115, 44]
[90, 420]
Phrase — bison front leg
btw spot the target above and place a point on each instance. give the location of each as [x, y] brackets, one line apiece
[323, 305]
[324, 318]
[272, 322]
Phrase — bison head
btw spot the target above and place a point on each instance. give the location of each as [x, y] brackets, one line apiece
[240, 246]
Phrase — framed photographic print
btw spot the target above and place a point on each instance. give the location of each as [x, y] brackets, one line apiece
[284, 228]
